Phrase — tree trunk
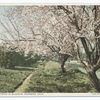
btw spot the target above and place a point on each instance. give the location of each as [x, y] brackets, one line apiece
[94, 80]
[63, 59]
[62, 67]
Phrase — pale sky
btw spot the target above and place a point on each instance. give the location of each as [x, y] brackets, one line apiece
[3, 11]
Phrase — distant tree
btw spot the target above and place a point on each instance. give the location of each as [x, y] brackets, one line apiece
[9, 57]
[31, 59]
[3, 60]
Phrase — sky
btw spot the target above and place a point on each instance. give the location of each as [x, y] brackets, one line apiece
[3, 9]
[3, 12]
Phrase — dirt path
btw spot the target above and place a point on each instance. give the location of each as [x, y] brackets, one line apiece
[24, 85]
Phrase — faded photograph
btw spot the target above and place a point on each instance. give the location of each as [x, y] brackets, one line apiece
[50, 49]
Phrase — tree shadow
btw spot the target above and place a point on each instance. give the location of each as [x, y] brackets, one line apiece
[22, 69]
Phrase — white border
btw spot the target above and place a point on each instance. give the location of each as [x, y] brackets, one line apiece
[50, 2]
[49, 94]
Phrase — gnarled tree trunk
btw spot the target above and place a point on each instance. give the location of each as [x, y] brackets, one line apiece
[94, 79]
[90, 65]
[62, 66]
[63, 59]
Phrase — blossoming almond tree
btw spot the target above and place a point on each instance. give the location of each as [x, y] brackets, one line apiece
[52, 30]
[84, 21]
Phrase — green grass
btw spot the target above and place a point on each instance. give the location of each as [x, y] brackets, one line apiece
[10, 79]
[47, 78]
[50, 79]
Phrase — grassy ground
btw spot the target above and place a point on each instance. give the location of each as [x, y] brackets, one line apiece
[10, 79]
[49, 78]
